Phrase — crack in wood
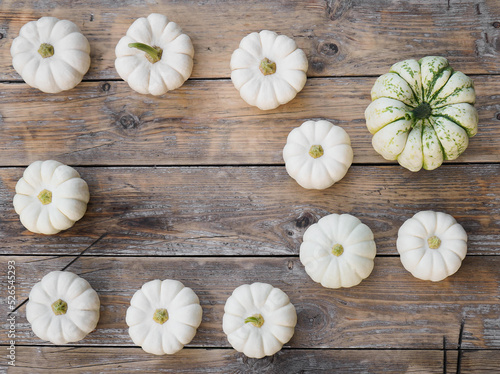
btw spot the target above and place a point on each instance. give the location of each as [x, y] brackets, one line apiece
[460, 351]
[444, 355]
[85, 250]
[212, 237]
[87, 149]
[68, 265]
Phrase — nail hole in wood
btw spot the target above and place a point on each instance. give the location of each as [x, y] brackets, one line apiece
[496, 25]
[105, 87]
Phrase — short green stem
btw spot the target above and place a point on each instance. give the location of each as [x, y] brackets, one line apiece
[337, 250]
[316, 151]
[434, 242]
[46, 50]
[422, 111]
[160, 316]
[45, 197]
[153, 54]
[59, 307]
[257, 320]
[267, 67]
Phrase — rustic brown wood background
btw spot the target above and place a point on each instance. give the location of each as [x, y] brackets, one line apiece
[192, 186]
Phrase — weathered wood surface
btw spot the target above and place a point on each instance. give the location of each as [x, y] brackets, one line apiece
[242, 219]
[131, 360]
[391, 308]
[202, 123]
[208, 211]
[178, 211]
[479, 362]
[340, 38]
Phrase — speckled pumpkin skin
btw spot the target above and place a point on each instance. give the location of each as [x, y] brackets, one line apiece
[422, 113]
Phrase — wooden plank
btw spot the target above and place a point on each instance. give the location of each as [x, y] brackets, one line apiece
[202, 123]
[390, 309]
[131, 360]
[234, 211]
[232, 216]
[340, 38]
[479, 362]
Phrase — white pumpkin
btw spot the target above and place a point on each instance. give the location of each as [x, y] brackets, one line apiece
[432, 245]
[50, 197]
[317, 154]
[62, 308]
[154, 56]
[163, 316]
[422, 113]
[51, 54]
[258, 319]
[338, 251]
[268, 69]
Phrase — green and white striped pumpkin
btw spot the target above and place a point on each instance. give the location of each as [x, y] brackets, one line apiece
[422, 113]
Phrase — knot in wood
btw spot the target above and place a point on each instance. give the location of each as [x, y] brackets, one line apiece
[496, 25]
[314, 318]
[328, 49]
[317, 65]
[335, 9]
[128, 121]
[105, 87]
[304, 220]
[257, 365]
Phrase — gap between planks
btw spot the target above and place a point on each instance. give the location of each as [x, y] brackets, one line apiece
[104, 80]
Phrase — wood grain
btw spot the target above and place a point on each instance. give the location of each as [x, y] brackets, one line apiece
[131, 360]
[391, 308]
[340, 38]
[221, 210]
[234, 211]
[202, 123]
[479, 362]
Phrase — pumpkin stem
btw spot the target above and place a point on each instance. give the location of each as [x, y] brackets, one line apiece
[422, 111]
[59, 307]
[434, 242]
[46, 50]
[45, 197]
[257, 320]
[153, 54]
[316, 151]
[160, 316]
[267, 67]
[337, 250]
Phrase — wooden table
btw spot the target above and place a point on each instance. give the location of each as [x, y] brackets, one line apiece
[192, 186]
